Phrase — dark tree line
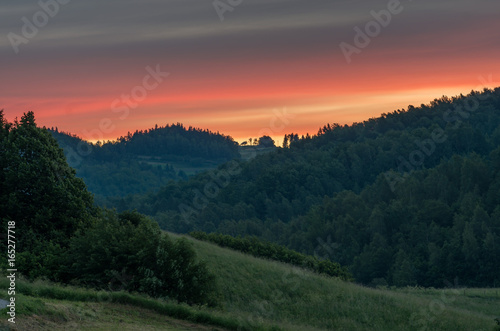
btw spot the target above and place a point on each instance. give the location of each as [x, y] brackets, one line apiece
[142, 161]
[177, 140]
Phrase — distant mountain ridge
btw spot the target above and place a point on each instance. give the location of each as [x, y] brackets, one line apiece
[145, 160]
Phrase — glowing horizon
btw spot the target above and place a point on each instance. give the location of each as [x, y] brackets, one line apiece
[233, 76]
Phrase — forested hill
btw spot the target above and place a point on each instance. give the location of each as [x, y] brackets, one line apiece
[176, 140]
[408, 198]
[145, 160]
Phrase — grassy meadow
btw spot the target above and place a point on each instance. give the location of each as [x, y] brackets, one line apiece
[257, 294]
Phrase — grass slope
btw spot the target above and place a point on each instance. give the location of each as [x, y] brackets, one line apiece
[259, 291]
[260, 295]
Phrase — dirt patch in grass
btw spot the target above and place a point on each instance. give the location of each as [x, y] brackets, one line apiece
[62, 315]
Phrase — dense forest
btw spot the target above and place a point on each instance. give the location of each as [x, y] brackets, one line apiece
[408, 198]
[144, 161]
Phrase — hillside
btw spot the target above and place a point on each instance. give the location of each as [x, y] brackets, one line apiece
[259, 295]
[435, 226]
[404, 199]
[144, 161]
[293, 297]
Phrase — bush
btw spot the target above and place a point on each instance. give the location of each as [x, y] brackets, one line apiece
[129, 252]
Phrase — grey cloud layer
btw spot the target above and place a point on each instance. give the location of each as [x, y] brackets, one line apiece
[101, 23]
[181, 30]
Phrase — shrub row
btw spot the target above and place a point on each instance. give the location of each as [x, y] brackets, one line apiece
[258, 248]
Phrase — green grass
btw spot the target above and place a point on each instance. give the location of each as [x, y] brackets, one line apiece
[31, 297]
[260, 290]
[51, 314]
[265, 295]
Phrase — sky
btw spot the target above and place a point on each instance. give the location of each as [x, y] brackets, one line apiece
[244, 68]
